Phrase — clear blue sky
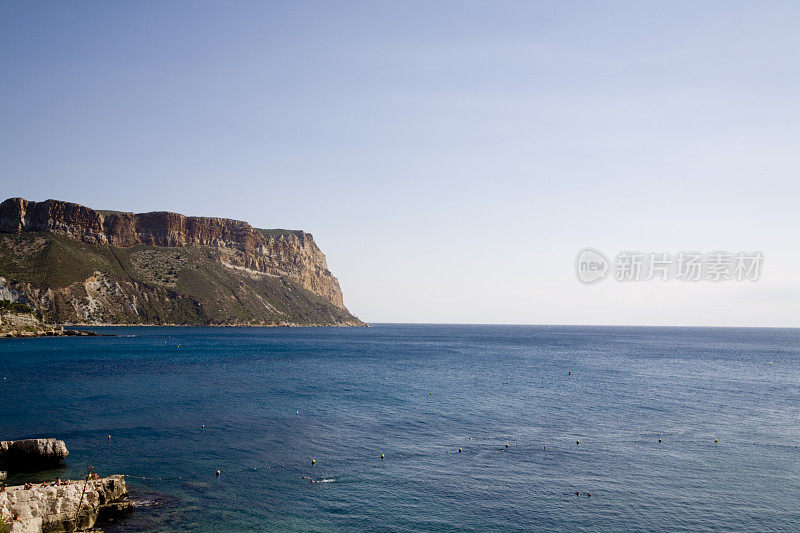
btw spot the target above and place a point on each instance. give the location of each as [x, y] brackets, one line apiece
[450, 158]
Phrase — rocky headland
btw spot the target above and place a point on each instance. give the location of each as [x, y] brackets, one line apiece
[23, 324]
[55, 506]
[63, 506]
[76, 265]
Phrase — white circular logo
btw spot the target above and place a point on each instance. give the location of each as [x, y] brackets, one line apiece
[591, 266]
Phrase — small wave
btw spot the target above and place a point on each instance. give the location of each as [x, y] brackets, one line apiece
[326, 480]
[147, 503]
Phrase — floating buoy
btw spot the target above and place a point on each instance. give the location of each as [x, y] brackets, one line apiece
[659, 440]
[313, 461]
[203, 426]
[382, 456]
[218, 473]
[298, 412]
[108, 437]
[570, 372]
[459, 450]
[715, 440]
[506, 445]
[577, 442]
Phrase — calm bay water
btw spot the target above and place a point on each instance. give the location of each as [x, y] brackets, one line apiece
[272, 400]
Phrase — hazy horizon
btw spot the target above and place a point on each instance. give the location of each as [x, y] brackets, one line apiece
[451, 159]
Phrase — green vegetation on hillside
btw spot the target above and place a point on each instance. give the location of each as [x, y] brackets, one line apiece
[278, 232]
[151, 285]
[15, 307]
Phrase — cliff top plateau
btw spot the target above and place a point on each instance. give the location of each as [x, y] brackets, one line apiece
[76, 265]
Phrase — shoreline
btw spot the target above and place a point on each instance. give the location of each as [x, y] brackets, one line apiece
[284, 325]
[61, 331]
[49, 333]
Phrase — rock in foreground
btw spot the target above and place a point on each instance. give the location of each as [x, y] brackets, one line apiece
[65, 507]
[15, 454]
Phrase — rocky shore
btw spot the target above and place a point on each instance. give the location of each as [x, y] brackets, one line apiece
[32, 452]
[63, 506]
[57, 331]
[55, 506]
[27, 325]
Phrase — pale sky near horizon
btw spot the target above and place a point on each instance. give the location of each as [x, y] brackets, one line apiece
[450, 158]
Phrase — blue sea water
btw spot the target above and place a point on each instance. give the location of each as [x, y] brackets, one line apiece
[274, 399]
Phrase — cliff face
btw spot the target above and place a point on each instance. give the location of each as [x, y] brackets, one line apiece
[235, 245]
[293, 254]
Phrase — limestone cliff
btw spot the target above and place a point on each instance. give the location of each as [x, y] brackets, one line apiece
[63, 507]
[162, 267]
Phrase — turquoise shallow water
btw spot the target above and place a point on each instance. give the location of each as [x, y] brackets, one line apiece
[273, 399]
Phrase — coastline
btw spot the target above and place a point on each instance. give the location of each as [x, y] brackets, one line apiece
[282, 325]
[49, 333]
[26, 325]
[48, 330]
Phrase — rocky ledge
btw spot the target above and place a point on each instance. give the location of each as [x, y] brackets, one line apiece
[16, 454]
[63, 506]
[27, 325]
[56, 331]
